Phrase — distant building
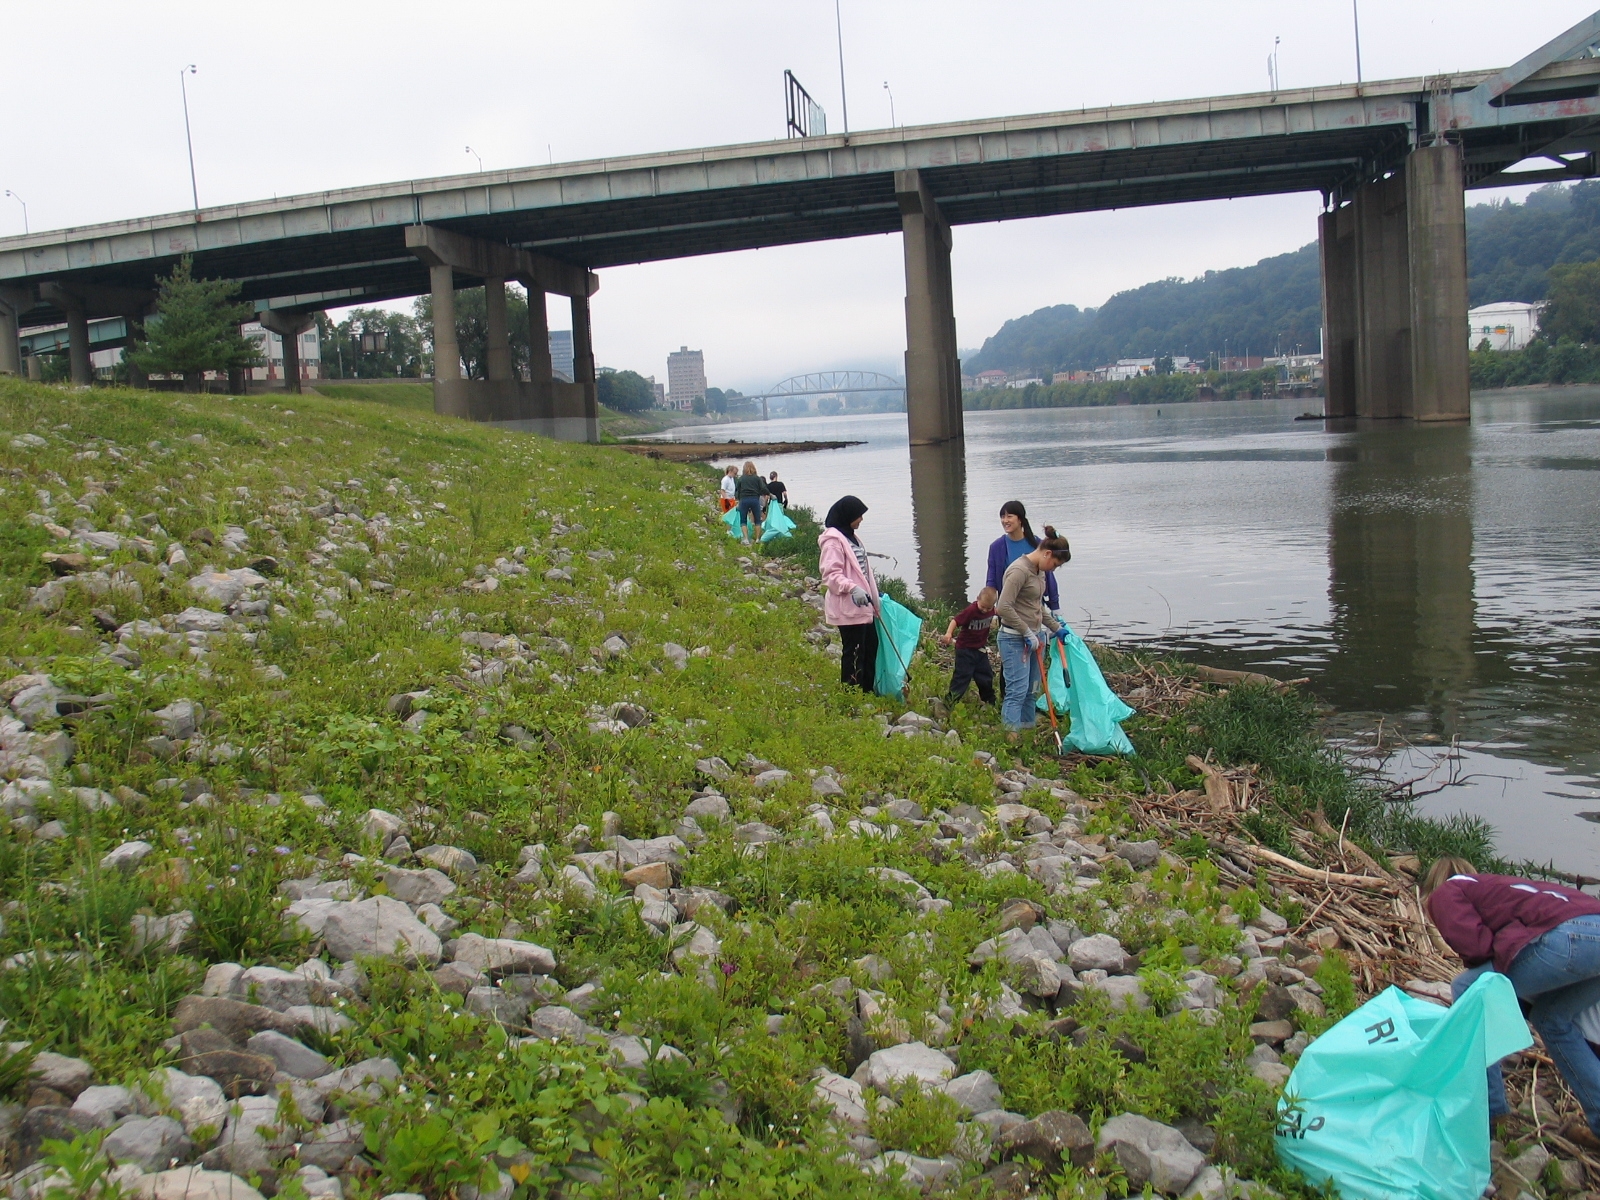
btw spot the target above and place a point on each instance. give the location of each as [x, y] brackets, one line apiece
[988, 379]
[1248, 362]
[270, 347]
[1297, 368]
[686, 377]
[1019, 384]
[561, 353]
[1508, 325]
[659, 390]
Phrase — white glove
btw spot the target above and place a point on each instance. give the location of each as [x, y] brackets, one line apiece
[1032, 638]
[859, 595]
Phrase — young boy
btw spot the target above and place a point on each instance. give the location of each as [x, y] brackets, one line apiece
[975, 622]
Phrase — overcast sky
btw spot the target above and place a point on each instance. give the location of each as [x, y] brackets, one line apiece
[299, 97]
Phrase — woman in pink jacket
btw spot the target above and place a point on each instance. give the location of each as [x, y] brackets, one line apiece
[850, 600]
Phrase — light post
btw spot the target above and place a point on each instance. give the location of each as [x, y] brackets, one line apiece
[892, 122]
[24, 204]
[844, 100]
[477, 156]
[188, 136]
[1355, 18]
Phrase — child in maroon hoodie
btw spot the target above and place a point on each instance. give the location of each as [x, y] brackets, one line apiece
[1545, 938]
[969, 630]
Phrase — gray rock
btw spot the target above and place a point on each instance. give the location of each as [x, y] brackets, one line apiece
[310, 915]
[713, 768]
[1053, 1138]
[677, 655]
[1274, 1075]
[127, 857]
[319, 1018]
[195, 1183]
[225, 587]
[503, 956]
[161, 934]
[198, 1101]
[709, 808]
[558, 1022]
[293, 1058]
[924, 1173]
[37, 704]
[68, 1076]
[885, 1069]
[452, 860]
[332, 1146]
[503, 1007]
[379, 927]
[770, 779]
[251, 1140]
[757, 832]
[366, 1077]
[149, 1143]
[1139, 855]
[381, 826]
[824, 786]
[427, 886]
[105, 1103]
[273, 988]
[842, 1098]
[1123, 990]
[1150, 1152]
[1099, 952]
[975, 1091]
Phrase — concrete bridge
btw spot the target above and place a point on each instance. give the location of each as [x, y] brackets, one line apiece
[1392, 160]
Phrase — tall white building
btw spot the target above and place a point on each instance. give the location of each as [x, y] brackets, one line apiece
[1508, 325]
[561, 353]
[271, 349]
[686, 377]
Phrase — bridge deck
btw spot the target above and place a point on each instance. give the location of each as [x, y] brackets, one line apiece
[347, 246]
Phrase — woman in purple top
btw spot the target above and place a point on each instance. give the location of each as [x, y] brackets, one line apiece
[1017, 540]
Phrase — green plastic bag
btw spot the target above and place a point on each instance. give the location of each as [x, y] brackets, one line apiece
[776, 523]
[1392, 1103]
[1097, 712]
[899, 630]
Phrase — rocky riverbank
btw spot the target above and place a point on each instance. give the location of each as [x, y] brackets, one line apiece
[396, 807]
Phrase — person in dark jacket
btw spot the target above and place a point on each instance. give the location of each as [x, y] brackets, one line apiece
[1545, 938]
[1018, 539]
[751, 493]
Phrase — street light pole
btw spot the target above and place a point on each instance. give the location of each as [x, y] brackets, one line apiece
[24, 204]
[183, 84]
[893, 124]
[477, 156]
[844, 99]
[1355, 17]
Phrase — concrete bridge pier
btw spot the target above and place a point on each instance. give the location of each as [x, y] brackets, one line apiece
[933, 372]
[542, 404]
[289, 326]
[14, 301]
[1394, 294]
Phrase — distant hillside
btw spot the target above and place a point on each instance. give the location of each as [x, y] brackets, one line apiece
[1277, 303]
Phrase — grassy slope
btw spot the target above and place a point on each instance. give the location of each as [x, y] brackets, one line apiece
[455, 497]
[418, 397]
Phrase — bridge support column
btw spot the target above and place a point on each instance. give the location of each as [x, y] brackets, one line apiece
[540, 373]
[78, 346]
[567, 427]
[1336, 236]
[933, 372]
[10, 346]
[449, 397]
[1441, 383]
[1394, 294]
[497, 354]
[288, 326]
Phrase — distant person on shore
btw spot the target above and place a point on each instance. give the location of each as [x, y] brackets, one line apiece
[969, 631]
[1018, 539]
[750, 492]
[1545, 938]
[1025, 625]
[727, 486]
[777, 491]
[850, 599]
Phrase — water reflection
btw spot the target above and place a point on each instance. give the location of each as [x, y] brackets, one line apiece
[939, 519]
[1400, 571]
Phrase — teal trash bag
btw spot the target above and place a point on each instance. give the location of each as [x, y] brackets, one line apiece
[1097, 712]
[776, 523]
[1392, 1103]
[899, 630]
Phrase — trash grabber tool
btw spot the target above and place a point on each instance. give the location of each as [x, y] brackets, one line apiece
[1049, 701]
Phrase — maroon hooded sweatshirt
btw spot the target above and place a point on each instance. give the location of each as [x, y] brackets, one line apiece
[1487, 917]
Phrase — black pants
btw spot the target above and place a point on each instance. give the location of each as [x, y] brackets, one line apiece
[859, 664]
[972, 666]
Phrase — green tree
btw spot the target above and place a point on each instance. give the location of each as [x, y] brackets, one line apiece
[472, 328]
[1573, 309]
[716, 400]
[405, 353]
[625, 391]
[195, 329]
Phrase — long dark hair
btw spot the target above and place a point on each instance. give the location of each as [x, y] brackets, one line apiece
[1014, 508]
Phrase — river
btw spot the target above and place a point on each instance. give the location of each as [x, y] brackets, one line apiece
[1437, 584]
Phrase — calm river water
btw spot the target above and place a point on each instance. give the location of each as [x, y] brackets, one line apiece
[1440, 581]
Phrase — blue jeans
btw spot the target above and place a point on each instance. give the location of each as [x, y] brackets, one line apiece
[749, 511]
[1558, 975]
[1020, 668]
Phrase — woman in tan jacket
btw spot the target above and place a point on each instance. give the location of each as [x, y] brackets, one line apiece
[1024, 620]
